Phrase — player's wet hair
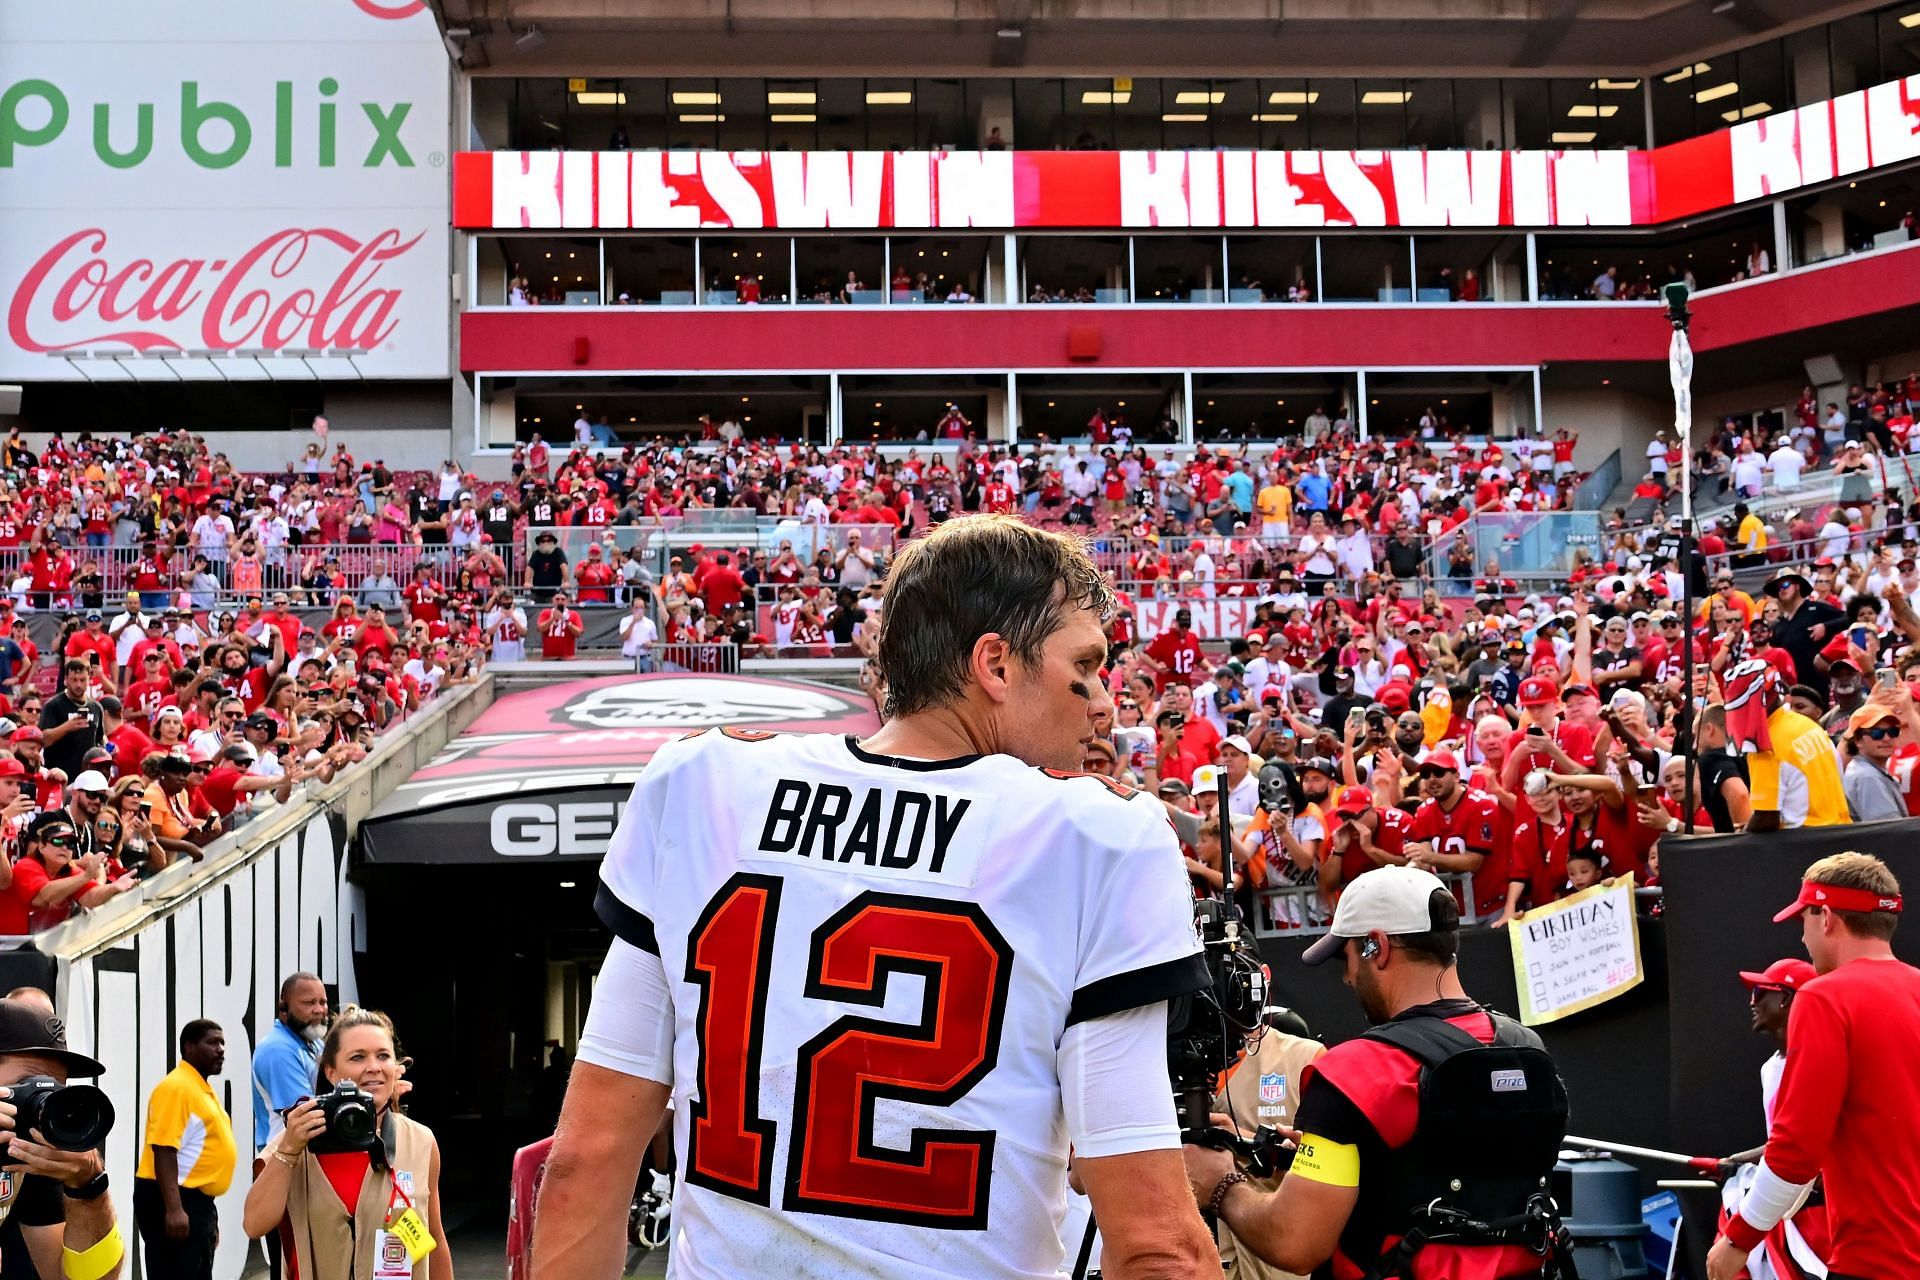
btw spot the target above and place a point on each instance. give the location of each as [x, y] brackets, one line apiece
[1860, 871]
[976, 576]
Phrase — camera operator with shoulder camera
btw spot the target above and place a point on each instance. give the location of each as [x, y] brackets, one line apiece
[352, 1185]
[1393, 1165]
[52, 1177]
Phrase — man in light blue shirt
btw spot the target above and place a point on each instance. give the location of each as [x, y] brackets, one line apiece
[1315, 491]
[1239, 486]
[288, 1055]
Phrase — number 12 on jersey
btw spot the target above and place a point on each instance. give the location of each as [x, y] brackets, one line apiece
[833, 1165]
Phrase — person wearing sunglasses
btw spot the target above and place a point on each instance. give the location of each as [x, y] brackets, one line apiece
[1873, 794]
[49, 881]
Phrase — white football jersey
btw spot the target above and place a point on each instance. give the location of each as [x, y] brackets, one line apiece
[872, 962]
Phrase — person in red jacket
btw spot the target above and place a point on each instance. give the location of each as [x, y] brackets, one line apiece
[1848, 1111]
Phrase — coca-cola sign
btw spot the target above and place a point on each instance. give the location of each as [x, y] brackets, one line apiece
[253, 300]
[270, 204]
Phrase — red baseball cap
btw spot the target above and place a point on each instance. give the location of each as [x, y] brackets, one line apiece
[11, 768]
[1394, 695]
[1538, 692]
[1838, 898]
[27, 733]
[1353, 800]
[1781, 975]
[1442, 760]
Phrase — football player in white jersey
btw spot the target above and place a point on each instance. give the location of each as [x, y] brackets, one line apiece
[887, 985]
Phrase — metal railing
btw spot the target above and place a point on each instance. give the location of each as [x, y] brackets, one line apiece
[706, 658]
[1603, 480]
[1299, 910]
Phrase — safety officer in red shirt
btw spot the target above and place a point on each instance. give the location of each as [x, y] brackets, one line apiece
[1391, 1173]
[1457, 829]
[1849, 1104]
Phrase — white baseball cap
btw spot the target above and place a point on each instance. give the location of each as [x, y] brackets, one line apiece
[1389, 900]
[91, 780]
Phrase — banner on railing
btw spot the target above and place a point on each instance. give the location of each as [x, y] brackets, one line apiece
[1575, 953]
[1212, 619]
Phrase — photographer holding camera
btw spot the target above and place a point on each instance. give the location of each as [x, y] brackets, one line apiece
[54, 1181]
[352, 1185]
[1392, 1161]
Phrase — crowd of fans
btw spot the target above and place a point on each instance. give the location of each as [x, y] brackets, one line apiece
[177, 578]
[1531, 745]
[175, 688]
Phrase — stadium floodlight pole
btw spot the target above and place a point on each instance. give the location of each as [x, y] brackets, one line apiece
[1680, 372]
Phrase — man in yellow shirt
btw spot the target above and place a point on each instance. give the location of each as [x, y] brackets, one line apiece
[188, 1160]
[1792, 771]
[1751, 535]
[1275, 503]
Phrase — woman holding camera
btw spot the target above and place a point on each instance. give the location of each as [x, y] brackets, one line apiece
[342, 1207]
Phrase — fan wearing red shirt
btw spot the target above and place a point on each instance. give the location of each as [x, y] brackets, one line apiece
[1536, 852]
[162, 649]
[595, 578]
[423, 595]
[344, 625]
[1363, 837]
[1458, 829]
[722, 587]
[47, 879]
[129, 743]
[1599, 821]
[1540, 709]
[1175, 651]
[1848, 1109]
[375, 636]
[560, 628]
[93, 639]
[145, 695]
[998, 498]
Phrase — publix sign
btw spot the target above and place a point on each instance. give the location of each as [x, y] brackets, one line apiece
[222, 190]
[212, 134]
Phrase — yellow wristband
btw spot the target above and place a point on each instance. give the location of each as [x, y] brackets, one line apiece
[96, 1260]
[1319, 1160]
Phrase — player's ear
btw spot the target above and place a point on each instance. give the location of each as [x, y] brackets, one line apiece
[992, 663]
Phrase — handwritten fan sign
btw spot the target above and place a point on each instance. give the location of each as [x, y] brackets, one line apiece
[1576, 953]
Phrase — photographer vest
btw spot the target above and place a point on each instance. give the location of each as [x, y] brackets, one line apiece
[328, 1243]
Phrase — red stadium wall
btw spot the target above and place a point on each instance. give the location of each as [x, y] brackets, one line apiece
[735, 339]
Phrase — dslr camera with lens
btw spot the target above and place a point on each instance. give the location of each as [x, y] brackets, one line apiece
[352, 1120]
[72, 1117]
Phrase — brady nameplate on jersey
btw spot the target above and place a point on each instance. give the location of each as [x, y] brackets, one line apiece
[874, 827]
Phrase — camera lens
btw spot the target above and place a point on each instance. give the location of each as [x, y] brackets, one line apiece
[351, 1122]
[76, 1118]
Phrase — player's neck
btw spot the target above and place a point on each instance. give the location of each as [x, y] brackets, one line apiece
[939, 734]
